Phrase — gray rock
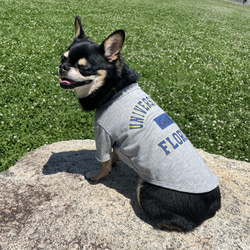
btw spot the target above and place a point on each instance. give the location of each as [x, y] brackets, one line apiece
[46, 203]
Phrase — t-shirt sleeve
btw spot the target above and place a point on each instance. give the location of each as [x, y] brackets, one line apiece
[103, 144]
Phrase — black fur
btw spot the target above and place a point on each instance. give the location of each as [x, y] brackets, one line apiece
[119, 75]
[177, 210]
[113, 84]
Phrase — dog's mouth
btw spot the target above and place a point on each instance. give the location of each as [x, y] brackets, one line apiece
[69, 84]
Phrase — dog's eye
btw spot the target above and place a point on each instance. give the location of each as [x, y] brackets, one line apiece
[82, 63]
[82, 66]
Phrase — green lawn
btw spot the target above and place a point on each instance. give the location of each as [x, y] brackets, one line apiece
[193, 57]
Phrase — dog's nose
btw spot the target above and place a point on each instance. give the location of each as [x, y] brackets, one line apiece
[64, 68]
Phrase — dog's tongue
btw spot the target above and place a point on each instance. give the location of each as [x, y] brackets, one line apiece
[66, 81]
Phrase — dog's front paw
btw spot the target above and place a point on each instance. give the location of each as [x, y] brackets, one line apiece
[93, 176]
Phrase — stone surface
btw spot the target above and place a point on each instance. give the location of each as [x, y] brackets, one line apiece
[46, 203]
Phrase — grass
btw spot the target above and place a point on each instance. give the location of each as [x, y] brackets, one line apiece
[193, 58]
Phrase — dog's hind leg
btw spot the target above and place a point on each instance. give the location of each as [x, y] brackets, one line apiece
[175, 210]
[160, 207]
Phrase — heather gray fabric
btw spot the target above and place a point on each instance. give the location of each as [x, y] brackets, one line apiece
[147, 140]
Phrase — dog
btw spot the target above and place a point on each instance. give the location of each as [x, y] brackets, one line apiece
[176, 189]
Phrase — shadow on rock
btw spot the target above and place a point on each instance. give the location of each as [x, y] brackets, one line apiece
[75, 162]
[122, 178]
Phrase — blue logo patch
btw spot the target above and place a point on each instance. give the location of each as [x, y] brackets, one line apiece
[163, 121]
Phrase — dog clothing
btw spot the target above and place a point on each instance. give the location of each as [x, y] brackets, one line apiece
[147, 140]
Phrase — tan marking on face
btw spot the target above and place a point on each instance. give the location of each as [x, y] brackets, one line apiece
[74, 75]
[66, 54]
[96, 83]
[82, 62]
[100, 77]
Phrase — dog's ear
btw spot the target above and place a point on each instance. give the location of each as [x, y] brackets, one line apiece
[79, 33]
[112, 45]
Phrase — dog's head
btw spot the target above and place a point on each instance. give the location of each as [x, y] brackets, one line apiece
[86, 65]
[96, 72]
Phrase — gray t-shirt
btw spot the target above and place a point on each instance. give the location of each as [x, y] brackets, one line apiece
[147, 140]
